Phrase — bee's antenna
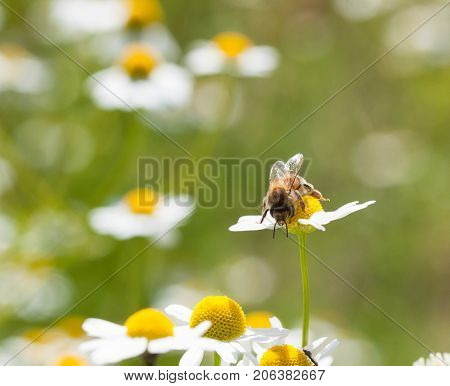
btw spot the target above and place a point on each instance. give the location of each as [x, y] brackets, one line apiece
[287, 229]
[274, 229]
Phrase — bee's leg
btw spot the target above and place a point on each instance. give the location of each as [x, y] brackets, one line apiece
[300, 199]
[264, 215]
[316, 194]
[274, 229]
[287, 229]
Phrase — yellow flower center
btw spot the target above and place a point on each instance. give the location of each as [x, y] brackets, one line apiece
[70, 360]
[232, 43]
[226, 316]
[144, 12]
[41, 336]
[149, 323]
[138, 61]
[312, 205]
[285, 355]
[259, 319]
[141, 201]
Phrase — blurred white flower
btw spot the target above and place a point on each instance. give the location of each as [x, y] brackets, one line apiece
[232, 52]
[384, 159]
[112, 23]
[32, 292]
[251, 280]
[57, 346]
[430, 43]
[434, 359]
[142, 214]
[22, 72]
[228, 329]
[183, 293]
[142, 80]
[360, 10]
[147, 330]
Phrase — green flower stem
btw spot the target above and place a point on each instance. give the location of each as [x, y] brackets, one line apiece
[216, 359]
[305, 287]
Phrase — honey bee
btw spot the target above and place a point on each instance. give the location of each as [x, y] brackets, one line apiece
[286, 188]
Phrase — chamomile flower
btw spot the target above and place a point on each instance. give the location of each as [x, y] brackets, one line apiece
[288, 342]
[112, 21]
[232, 52]
[141, 80]
[114, 343]
[307, 218]
[21, 72]
[229, 330]
[434, 359]
[142, 213]
[290, 355]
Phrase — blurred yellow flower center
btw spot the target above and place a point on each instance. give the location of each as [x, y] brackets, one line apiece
[285, 355]
[138, 61]
[226, 316]
[259, 319]
[141, 201]
[70, 360]
[144, 12]
[41, 336]
[149, 323]
[232, 43]
[72, 326]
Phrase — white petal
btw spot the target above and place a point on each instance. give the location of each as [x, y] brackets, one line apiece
[314, 345]
[192, 357]
[118, 349]
[179, 312]
[327, 349]
[325, 361]
[103, 329]
[202, 328]
[321, 218]
[227, 353]
[257, 61]
[205, 59]
[252, 223]
[275, 322]
[174, 85]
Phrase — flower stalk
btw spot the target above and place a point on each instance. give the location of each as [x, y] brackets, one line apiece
[305, 287]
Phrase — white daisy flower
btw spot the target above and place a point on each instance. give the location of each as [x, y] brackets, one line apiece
[142, 330]
[434, 359]
[229, 330]
[264, 319]
[232, 52]
[314, 354]
[141, 213]
[22, 72]
[112, 23]
[307, 218]
[143, 81]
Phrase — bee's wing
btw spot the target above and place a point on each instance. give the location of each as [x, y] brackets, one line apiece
[278, 171]
[294, 164]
